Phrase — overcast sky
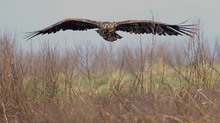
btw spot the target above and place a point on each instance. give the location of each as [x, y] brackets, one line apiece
[29, 15]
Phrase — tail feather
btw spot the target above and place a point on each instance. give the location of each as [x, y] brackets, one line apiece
[111, 37]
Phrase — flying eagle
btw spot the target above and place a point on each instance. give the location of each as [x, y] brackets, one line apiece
[108, 29]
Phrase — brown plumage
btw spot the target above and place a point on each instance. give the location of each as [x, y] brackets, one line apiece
[108, 29]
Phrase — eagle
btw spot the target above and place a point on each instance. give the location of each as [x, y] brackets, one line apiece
[108, 29]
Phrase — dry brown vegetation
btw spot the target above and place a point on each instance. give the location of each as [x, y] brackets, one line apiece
[156, 82]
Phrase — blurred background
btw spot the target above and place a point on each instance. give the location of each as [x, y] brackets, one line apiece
[23, 16]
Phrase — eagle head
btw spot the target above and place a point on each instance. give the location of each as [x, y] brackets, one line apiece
[107, 26]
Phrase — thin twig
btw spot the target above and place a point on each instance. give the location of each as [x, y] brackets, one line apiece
[4, 112]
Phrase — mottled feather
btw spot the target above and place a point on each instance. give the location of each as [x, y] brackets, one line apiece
[66, 24]
[108, 29]
[144, 26]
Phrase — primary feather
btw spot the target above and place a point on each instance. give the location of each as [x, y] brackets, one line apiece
[67, 24]
[108, 29]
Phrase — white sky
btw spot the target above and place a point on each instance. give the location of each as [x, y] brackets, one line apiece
[29, 15]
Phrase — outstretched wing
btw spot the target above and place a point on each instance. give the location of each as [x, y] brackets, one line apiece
[66, 24]
[141, 27]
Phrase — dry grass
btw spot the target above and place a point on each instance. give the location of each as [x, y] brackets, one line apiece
[149, 83]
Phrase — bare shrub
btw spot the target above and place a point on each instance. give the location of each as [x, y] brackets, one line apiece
[89, 83]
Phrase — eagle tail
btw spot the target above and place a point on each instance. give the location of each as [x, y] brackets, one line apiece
[111, 37]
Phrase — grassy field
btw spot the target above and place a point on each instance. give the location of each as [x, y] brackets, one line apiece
[155, 82]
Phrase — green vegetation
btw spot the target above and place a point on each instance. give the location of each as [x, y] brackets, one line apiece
[149, 83]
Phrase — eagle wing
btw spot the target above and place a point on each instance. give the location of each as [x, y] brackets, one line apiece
[66, 24]
[145, 26]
